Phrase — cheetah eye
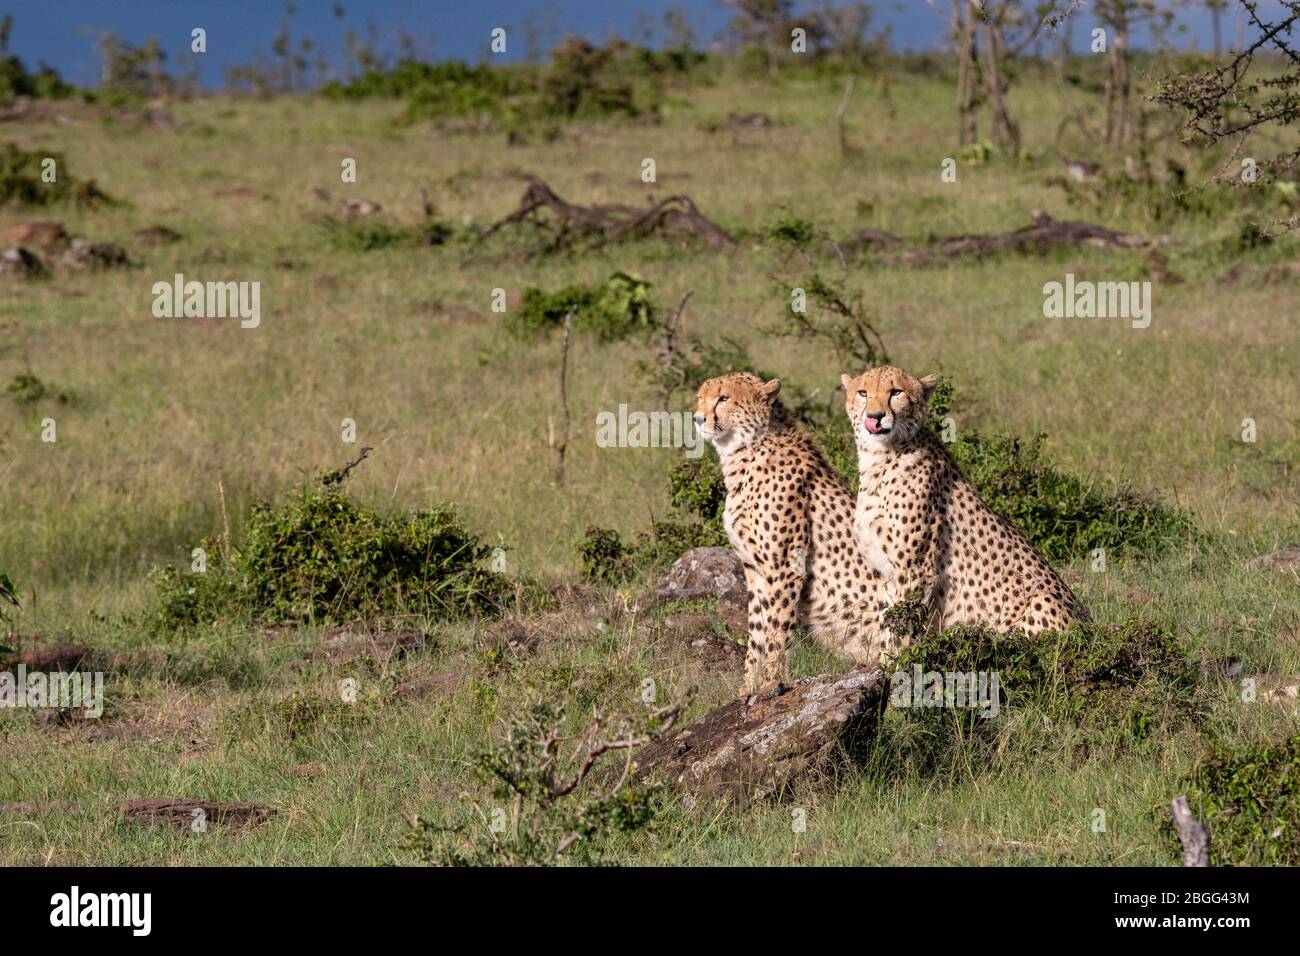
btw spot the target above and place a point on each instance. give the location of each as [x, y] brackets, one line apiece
[862, 393]
[722, 398]
[895, 391]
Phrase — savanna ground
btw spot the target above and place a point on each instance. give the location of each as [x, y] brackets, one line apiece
[403, 340]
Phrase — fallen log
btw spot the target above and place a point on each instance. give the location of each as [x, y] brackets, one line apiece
[597, 226]
[1191, 833]
[755, 751]
[181, 813]
[1044, 235]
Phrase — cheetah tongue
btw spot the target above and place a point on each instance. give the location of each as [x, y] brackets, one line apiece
[871, 424]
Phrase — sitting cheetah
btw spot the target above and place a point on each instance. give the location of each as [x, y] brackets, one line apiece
[789, 517]
[923, 526]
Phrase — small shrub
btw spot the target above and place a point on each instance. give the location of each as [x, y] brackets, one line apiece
[1249, 799]
[790, 231]
[21, 182]
[322, 556]
[621, 307]
[561, 810]
[1061, 514]
[27, 389]
[44, 84]
[602, 556]
[605, 559]
[584, 81]
[1115, 686]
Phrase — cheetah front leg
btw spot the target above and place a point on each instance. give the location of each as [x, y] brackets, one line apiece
[757, 631]
[785, 567]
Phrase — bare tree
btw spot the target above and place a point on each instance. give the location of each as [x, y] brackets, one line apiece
[967, 74]
[1233, 101]
[1120, 18]
[765, 24]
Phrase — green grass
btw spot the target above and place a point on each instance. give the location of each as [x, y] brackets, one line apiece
[172, 415]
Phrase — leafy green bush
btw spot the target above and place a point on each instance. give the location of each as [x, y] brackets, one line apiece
[21, 183]
[27, 389]
[1061, 514]
[1113, 685]
[581, 81]
[322, 556]
[605, 559]
[44, 84]
[584, 81]
[619, 308]
[1249, 799]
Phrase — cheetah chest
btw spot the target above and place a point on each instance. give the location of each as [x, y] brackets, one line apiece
[868, 526]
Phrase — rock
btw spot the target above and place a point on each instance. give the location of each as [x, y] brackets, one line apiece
[45, 237]
[1287, 559]
[157, 235]
[354, 208]
[703, 573]
[186, 814]
[344, 644]
[21, 263]
[418, 688]
[514, 636]
[84, 254]
[751, 753]
[1277, 688]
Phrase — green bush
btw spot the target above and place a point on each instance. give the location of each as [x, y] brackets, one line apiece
[27, 389]
[1249, 799]
[619, 308]
[21, 183]
[1114, 686]
[605, 559]
[44, 84]
[321, 556]
[1061, 514]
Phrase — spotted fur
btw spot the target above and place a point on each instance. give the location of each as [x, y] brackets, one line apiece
[924, 527]
[789, 517]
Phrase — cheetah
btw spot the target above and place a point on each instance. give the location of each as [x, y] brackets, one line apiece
[789, 518]
[924, 527]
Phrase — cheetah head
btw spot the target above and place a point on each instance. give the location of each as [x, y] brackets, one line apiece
[734, 409]
[886, 405]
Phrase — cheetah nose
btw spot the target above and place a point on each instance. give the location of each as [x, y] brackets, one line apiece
[699, 419]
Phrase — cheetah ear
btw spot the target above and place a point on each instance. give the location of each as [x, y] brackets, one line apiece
[928, 382]
[770, 389]
[846, 382]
